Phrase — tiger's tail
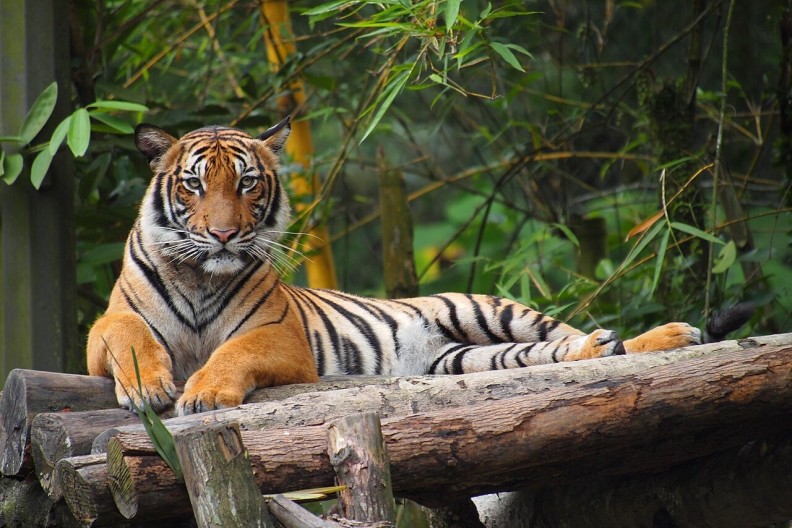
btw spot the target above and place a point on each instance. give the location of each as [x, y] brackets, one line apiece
[728, 320]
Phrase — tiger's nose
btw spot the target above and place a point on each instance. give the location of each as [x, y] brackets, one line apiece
[223, 235]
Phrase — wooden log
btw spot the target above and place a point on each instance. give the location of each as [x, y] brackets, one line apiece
[24, 504]
[291, 515]
[670, 414]
[358, 455]
[219, 478]
[89, 498]
[407, 395]
[55, 436]
[747, 486]
[28, 393]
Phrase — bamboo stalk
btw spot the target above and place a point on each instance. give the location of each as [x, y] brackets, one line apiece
[320, 268]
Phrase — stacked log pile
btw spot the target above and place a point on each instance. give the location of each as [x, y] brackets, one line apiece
[557, 432]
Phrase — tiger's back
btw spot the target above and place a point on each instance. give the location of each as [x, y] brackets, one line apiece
[200, 297]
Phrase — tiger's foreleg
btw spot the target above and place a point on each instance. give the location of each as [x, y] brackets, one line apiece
[264, 357]
[666, 337]
[110, 344]
[456, 358]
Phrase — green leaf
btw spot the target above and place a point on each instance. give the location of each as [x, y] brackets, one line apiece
[326, 8]
[641, 244]
[696, 232]
[12, 166]
[79, 135]
[40, 167]
[118, 105]
[117, 125]
[390, 93]
[39, 113]
[485, 13]
[451, 13]
[2, 159]
[726, 257]
[57, 137]
[519, 49]
[156, 430]
[660, 258]
[567, 233]
[13, 139]
[507, 55]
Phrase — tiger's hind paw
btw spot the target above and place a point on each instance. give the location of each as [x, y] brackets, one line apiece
[666, 337]
[599, 343]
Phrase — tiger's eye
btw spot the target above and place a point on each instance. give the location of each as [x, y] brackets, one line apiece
[247, 182]
[193, 183]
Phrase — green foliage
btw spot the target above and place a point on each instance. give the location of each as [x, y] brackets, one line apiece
[511, 122]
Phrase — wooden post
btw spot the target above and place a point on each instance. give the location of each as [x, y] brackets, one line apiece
[38, 316]
[219, 478]
[359, 457]
[89, 497]
[398, 263]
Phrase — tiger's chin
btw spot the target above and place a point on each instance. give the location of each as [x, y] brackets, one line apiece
[223, 263]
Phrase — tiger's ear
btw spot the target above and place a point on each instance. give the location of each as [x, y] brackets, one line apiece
[274, 137]
[152, 141]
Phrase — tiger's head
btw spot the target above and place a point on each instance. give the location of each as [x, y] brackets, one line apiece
[215, 200]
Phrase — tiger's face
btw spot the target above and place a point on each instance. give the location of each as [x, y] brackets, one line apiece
[215, 200]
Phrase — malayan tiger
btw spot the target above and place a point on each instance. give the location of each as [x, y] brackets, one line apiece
[199, 297]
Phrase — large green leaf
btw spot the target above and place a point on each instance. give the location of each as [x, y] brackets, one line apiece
[79, 135]
[116, 125]
[39, 113]
[119, 105]
[696, 232]
[393, 89]
[726, 257]
[59, 135]
[12, 166]
[40, 167]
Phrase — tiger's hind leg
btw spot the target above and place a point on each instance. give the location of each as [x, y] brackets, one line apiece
[456, 358]
[666, 337]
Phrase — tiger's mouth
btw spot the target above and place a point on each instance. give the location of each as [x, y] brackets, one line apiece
[224, 262]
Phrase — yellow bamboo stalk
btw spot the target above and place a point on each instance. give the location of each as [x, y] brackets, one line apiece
[279, 39]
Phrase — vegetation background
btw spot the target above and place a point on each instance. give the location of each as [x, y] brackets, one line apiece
[613, 163]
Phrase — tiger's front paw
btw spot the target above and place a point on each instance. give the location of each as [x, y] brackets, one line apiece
[599, 343]
[204, 392]
[156, 388]
[666, 337]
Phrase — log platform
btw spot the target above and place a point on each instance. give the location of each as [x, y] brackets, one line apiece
[70, 457]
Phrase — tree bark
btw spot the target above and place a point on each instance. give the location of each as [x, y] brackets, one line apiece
[607, 427]
[219, 478]
[401, 396]
[23, 503]
[358, 455]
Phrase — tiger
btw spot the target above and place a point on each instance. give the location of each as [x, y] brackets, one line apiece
[200, 298]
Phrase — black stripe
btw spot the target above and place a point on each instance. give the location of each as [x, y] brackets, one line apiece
[482, 322]
[275, 202]
[456, 364]
[452, 314]
[157, 334]
[255, 308]
[444, 355]
[502, 354]
[156, 282]
[159, 206]
[319, 354]
[506, 316]
[543, 330]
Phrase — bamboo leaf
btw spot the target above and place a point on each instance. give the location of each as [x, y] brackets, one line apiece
[507, 55]
[12, 139]
[451, 13]
[118, 105]
[660, 258]
[12, 167]
[726, 257]
[393, 89]
[40, 167]
[58, 136]
[643, 226]
[79, 135]
[39, 113]
[696, 232]
[2, 159]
